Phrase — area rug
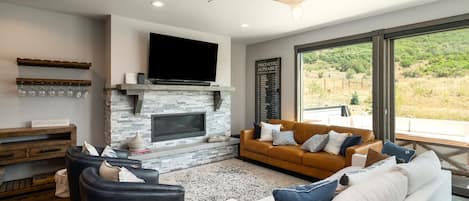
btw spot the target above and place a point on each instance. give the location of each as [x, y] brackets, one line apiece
[229, 180]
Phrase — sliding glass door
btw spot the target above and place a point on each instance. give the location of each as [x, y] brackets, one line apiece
[431, 87]
[335, 85]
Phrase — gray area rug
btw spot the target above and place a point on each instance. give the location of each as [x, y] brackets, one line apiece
[229, 179]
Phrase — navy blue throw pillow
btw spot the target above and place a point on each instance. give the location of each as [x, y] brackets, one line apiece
[403, 155]
[348, 142]
[319, 191]
[257, 130]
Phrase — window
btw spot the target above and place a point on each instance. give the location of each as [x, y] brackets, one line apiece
[431, 74]
[336, 85]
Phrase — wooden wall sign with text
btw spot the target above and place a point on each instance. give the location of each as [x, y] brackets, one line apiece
[268, 76]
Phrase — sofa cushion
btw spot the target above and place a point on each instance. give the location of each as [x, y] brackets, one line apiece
[258, 146]
[367, 135]
[324, 161]
[389, 186]
[420, 171]
[286, 125]
[292, 154]
[304, 131]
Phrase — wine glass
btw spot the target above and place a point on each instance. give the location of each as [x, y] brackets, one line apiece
[42, 91]
[21, 90]
[31, 91]
[51, 91]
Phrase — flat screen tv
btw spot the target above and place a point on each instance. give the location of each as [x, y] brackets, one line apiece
[179, 59]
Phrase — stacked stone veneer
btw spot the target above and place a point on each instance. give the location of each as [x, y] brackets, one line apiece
[121, 125]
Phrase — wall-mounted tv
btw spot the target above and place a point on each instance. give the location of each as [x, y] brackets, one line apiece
[179, 59]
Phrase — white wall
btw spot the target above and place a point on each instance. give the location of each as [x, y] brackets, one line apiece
[129, 47]
[238, 80]
[284, 47]
[32, 33]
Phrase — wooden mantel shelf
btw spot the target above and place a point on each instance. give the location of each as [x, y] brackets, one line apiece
[153, 87]
[137, 90]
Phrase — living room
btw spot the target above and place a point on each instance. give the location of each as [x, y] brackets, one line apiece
[234, 100]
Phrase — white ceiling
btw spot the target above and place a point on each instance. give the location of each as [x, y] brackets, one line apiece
[267, 19]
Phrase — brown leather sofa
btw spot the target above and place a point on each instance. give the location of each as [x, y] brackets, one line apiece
[293, 158]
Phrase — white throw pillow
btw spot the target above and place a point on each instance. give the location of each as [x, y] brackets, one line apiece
[89, 149]
[109, 172]
[109, 152]
[127, 176]
[267, 130]
[335, 142]
[390, 186]
[375, 170]
[421, 170]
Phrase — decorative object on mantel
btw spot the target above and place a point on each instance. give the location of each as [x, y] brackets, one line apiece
[130, 78]
[52, 87]
[137, 90]
[136, 144]
[218, 138]
[53, 63]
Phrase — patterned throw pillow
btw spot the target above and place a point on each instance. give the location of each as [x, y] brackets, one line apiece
[321, 190]
[126, 175]
[283, 138]
[109, 152]
[315, 143]
[403, 155]
[89, 149]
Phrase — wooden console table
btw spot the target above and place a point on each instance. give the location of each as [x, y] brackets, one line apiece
[27, 145]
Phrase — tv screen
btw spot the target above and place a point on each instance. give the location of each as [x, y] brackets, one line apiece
[173, 58]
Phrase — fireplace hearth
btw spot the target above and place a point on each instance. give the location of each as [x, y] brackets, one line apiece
[177, 126]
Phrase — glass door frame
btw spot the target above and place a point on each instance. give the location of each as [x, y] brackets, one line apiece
[382, 66]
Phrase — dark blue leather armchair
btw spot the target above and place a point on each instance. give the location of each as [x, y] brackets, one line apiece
[95, 188]
[76, 162]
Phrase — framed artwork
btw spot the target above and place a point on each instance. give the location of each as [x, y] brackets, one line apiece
[268, 83]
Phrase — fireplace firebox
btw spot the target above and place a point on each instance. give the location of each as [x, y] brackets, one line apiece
[177, 126]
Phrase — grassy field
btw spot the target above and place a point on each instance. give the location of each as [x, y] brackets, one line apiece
[427, 97]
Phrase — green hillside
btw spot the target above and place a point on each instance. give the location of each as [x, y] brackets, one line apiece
[444, 54]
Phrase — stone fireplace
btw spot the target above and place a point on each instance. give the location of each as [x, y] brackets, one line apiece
[174, 122]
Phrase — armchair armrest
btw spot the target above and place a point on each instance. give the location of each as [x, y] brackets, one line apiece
[376, 145]
[149, 175]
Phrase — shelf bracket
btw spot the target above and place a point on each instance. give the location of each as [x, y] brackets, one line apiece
[138, 99]
[217, 100]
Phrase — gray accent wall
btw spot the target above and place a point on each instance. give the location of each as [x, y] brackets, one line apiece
[284, 47]
[238, 81]
[33, 33]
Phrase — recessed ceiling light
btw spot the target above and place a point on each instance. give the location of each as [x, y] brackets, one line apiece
[157, 4]
[244, 25]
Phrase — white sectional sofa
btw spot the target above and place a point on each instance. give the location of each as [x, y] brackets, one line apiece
[438, 189]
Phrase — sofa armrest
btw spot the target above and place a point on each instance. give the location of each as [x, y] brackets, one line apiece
[247, 135]
[361, 149]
